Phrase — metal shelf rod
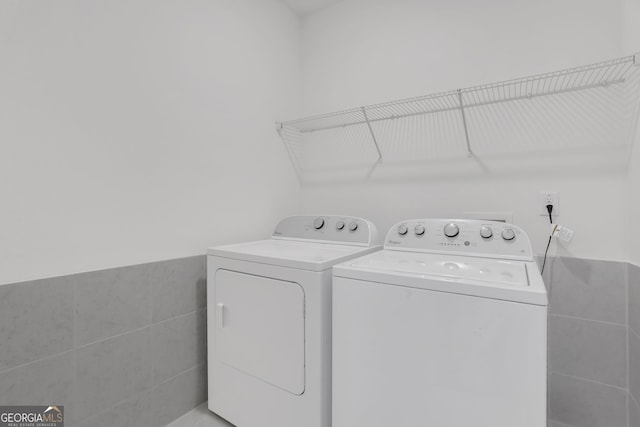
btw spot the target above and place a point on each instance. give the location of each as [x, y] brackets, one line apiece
[362, 122]
[540, 95]
[468, 105]
[571, 80]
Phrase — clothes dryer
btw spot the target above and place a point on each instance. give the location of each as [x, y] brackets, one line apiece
[269, 321]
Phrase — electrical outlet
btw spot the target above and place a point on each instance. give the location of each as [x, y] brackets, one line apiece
[549, 198]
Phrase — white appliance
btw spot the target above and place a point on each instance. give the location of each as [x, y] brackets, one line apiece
[269, 321]
[445, 327]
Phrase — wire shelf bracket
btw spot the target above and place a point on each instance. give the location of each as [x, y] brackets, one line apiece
[373, 135]
[464, 123]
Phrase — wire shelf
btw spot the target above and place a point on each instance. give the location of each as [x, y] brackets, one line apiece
[591, 105]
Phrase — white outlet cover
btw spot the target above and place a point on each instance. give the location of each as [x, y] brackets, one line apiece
[545, 198]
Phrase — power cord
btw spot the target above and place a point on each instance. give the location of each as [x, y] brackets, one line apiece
[544, 262]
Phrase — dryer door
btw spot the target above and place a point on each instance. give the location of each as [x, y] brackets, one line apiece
[260, 328]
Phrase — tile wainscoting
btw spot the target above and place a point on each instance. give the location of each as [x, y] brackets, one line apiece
[118, 347]
[634, 345]
[127, 346]
[594, 359]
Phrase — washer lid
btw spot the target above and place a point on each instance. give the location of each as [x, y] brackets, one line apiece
[485, 277]
[291, 253]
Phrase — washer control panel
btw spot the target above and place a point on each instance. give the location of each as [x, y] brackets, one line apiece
[328, 229]
[460, 236]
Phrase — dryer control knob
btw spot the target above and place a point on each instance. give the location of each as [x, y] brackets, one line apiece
[402, 229]
[486, 232]
[353, 226]
[508, 234]
[419, 230]
[339, 225]
[451, 230]
[318, 223]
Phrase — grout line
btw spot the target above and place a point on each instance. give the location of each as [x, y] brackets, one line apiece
[153, 356]
[74, 378]
[179, 316]
[74, 384]
[197, 405]
[120, 402]
[149, 295]
[563, 257]
[560, 423]
[631, 399]
[137, 329]
[634, 399]
[587, 320]
[75, 312]
[149, 390]
[42, 359]
[589, 380]
[179, 373]
[631, 395]
[114, 336]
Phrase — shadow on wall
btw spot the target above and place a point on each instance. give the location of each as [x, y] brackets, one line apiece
[587, 161]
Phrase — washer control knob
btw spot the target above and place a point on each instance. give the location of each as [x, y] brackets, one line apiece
[451, 230]
[340, 225]
[419, 230]
[402, 229]
[353, 226]
[508, 234]
[486, 232]
[318, 223]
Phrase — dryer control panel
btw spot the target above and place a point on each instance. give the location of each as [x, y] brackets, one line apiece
[338, 229]
[488, 239]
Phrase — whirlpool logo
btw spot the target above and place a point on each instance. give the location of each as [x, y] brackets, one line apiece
[32, 416]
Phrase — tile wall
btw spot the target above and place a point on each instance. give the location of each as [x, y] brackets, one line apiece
[591, 356]
[127, 346]
[634, 345]
[117, 347]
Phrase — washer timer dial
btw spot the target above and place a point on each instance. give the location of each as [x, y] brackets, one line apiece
[451, 230]
[508, 234]
[486, 232]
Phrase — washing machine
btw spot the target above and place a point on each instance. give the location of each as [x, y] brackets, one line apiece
[269, 321]
[445, 327]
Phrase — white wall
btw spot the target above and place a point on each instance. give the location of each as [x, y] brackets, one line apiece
[632, 44]
[631, 18]
[360, 52]
[141, 130]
